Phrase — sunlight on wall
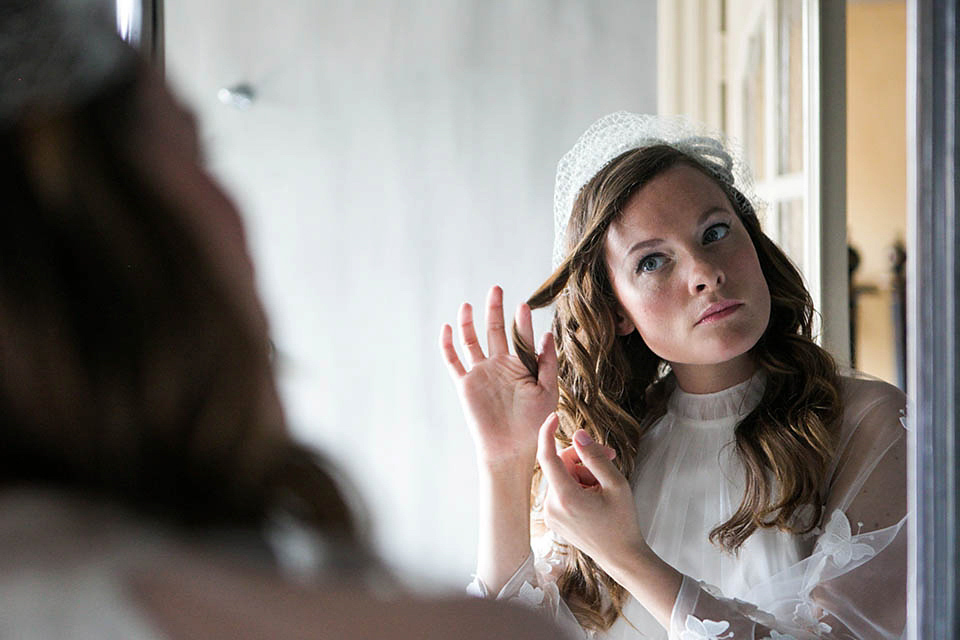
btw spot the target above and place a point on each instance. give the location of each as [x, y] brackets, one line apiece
[876, 167]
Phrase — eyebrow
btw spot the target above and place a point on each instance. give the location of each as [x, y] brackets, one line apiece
[642, 245]
[653, 241]
[710, 211]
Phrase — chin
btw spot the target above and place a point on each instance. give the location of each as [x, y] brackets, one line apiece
[726, 353]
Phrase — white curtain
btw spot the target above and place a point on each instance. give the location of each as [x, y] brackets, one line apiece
[398, 158]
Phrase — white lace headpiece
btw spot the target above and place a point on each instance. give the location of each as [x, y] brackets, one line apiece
[617, 133]
[56, 53]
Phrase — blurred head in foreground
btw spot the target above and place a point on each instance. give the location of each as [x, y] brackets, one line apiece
[134, 355]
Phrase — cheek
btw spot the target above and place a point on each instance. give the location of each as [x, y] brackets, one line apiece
[752, 283]
[751, 266]
[765, 303]
[653, 308]
[742, 261]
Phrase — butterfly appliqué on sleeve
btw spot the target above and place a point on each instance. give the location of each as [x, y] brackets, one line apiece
[697, 629]
[837, 542]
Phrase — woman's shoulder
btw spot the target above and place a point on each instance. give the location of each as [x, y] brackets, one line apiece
[863, 393]
[231, 601]
[68, 556]
[873, 411]
[106, 572]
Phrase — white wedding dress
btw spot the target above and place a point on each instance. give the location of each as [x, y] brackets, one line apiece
[845, 580]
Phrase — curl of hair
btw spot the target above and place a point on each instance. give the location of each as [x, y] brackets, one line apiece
[613, 386]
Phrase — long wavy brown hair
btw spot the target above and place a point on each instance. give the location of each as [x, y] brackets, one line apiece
[132, 364]
[613, 386]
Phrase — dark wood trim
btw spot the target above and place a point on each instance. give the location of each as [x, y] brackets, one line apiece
[146, 31]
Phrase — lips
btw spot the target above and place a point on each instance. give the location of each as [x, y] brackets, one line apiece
[719, 310]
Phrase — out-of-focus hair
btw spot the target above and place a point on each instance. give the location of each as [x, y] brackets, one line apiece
[130, 367]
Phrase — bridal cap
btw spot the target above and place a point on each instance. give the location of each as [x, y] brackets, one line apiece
[622, 131]
[56, 54]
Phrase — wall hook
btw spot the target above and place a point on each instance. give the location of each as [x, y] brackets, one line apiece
[238, 96]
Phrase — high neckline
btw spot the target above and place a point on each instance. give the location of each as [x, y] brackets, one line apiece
[732, 402]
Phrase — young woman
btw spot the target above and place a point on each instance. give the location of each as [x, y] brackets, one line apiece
[149, 486]
[704, 470]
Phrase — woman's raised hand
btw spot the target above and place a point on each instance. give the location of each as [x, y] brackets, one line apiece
[504, 404]
[592, 506]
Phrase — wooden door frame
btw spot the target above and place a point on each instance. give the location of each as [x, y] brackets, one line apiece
[825, 118]
[933, 274]
[140, 23]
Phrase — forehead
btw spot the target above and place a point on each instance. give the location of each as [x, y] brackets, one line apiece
[674, 199]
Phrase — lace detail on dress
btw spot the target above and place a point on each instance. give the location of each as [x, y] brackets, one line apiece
[477, 588]
[696, 629]
[837, 542]
[532, 596]
[808, 616]
[736, 401]
[747, 609]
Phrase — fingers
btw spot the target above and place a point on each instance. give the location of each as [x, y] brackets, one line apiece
[550, 463]
[571, 462]
[496, 335]
[584, 477]
[571, 453]
[547, 362]
[450, 354]
[568, 456]
[524, 324]
[573, 465]
[468, 336]
[596, 459]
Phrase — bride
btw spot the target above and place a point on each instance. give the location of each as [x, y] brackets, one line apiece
[699, 467]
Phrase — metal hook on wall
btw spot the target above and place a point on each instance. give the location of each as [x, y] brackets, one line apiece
[239, 96]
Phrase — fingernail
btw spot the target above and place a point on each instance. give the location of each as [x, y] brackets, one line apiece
[582, 437]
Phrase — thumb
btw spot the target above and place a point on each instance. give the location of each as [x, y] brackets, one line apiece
[596, 458]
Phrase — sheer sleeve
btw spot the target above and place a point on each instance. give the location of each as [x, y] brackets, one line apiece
[534, 584]
[853, 584]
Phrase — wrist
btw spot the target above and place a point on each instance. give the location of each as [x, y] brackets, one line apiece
[505, 489]
[650, 580]
[628, 560]
[510, 468]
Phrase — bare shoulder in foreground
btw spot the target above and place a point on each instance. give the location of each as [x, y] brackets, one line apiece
[216, 601]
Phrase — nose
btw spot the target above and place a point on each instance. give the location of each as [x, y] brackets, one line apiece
[705, 275]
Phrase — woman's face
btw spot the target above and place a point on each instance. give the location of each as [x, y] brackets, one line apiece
[686, 274]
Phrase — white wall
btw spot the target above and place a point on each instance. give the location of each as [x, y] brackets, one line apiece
[398, 159]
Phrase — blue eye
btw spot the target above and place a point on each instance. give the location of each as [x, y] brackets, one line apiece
[716, 232]
[651, 263]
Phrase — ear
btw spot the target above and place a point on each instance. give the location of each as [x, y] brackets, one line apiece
[623, 324]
